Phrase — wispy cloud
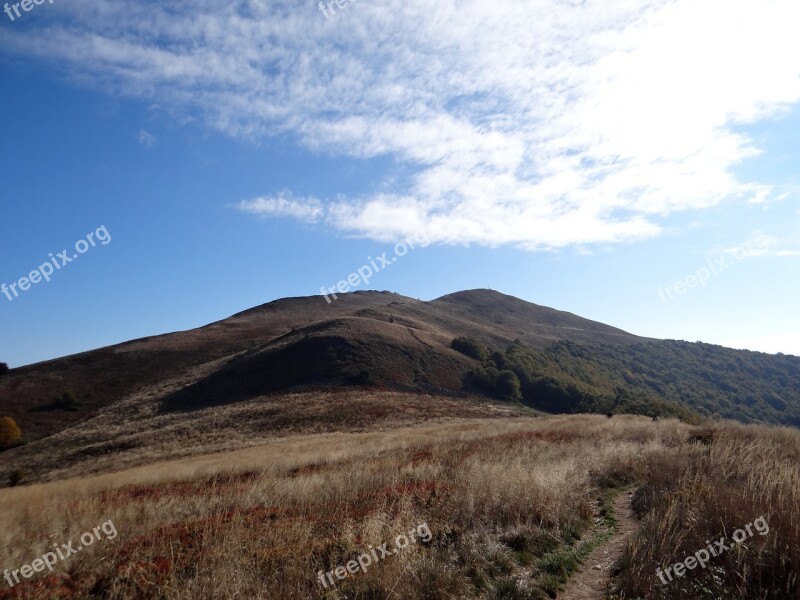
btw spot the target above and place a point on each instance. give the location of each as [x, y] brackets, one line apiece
[762, 244]
[539, 124]
[284, 205]
[146, 138]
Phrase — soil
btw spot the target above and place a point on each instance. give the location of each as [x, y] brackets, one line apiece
[593, 580]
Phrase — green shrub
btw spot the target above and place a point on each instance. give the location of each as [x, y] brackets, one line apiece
[68, 401]
[507, 385]
[470, 347]
[364, 377]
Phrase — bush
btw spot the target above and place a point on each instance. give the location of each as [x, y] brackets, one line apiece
[470, 347]
[3, 369]
[507, 384]
[502, 384]
[364, 378]
[15, 477]
[10, 433]
[68, 401]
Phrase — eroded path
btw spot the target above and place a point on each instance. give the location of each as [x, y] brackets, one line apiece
[592, 580]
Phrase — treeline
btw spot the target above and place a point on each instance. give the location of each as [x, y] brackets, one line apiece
[709, 380]
[658, 378]
[540, 380]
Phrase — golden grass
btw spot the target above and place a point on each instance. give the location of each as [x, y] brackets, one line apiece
[505, 500]
[136, 432]
[734, 475]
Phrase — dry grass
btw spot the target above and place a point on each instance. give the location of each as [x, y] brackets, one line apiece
[732, 475]
[136, 432]
[506, 501]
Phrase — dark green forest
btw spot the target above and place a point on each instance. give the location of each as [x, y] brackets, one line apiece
[658, 378]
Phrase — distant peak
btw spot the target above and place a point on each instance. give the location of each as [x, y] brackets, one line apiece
[475, 295]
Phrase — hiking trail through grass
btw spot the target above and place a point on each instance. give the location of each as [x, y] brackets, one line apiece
[592, 581]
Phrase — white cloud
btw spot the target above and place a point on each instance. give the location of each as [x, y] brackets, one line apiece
[146, 138]
[762, 244]
[304, 209]
[542, 123]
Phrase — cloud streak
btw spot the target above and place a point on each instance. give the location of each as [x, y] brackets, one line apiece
[146, 139]
[539, 124]
[309, 210]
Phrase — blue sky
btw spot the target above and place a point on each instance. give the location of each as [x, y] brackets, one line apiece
[573, 156]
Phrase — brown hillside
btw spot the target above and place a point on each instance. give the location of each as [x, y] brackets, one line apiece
[294, 342]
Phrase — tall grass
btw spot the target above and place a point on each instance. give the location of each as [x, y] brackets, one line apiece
[510, 505]
[729, 477]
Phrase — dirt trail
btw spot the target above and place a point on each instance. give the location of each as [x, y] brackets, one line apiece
[591, 581]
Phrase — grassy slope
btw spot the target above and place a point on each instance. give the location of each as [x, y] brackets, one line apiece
[102, 377]
[505, 501]
[137, 431]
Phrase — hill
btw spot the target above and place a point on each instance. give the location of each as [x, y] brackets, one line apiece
[387, 342]
[333, 339]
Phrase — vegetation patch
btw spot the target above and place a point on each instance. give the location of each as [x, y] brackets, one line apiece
[557, 383]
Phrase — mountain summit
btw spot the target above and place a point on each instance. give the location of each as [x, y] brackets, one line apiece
[559, 361]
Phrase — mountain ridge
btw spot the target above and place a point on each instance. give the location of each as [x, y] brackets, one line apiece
[383, 339]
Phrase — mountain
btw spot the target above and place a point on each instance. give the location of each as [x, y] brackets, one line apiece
[356, 328]
[381, 340]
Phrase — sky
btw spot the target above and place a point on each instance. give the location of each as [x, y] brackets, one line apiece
[633, 162]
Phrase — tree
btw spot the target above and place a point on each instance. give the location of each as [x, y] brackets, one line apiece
[3, 369]
[10, 433]
[364, 378]
[508, 385]
[68, 401]
[470, 347]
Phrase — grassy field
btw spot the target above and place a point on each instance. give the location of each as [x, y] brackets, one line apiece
[501, 508]
[135, 432]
